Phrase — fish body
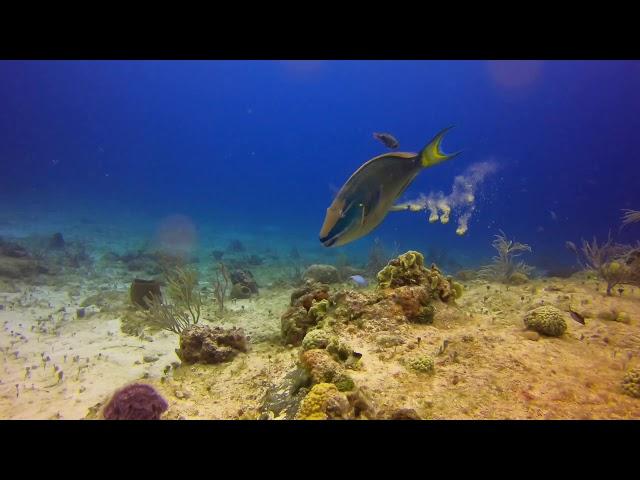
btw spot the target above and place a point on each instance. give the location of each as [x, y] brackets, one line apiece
[387, 139]
[365, 199]
[359, 280]
[577, 317]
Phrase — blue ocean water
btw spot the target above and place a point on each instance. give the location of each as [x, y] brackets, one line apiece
[257, 149]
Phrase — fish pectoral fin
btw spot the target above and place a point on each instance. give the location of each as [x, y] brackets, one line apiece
[363, 214]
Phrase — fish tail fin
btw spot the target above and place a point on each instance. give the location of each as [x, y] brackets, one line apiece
[432, 155]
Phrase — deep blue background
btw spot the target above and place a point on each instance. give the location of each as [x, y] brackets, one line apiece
[263, 143]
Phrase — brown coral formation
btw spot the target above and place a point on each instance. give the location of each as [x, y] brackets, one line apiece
[203, 344]
[300, 316]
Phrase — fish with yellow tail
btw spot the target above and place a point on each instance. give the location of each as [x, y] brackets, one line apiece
[365, 199]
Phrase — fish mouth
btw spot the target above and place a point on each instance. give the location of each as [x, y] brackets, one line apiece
[328, 241]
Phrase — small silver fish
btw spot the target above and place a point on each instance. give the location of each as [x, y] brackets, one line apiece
[359, 280]
[577, 317]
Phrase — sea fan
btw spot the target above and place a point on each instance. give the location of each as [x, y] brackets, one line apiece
[630, 216]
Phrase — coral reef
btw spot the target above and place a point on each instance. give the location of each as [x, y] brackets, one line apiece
[203, 344]
[135, 402]
[323, 402]
[324, 368]
[321, 273]
[631, 383]
[504, 268]
[546, 320]
[407, 269]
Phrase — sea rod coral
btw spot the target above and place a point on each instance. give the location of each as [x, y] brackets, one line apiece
[504, 267]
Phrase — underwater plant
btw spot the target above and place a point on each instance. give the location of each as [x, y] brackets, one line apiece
[182, 287]
[186, 302]
[504, 268]
[220, 285]
[615, 263]
[164, 316]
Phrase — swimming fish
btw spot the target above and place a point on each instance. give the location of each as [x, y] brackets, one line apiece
[359, 280]
[388, 140]
[368, 195]
[577, 317]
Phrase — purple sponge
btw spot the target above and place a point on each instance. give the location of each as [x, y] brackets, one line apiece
[135, 402]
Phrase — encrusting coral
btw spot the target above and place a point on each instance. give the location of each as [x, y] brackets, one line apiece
[309, 305]
[323, 402]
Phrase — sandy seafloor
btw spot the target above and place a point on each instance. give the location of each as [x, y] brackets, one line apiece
[491, 368]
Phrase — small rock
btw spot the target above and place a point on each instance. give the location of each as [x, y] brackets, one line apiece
[322, 273]
[623, 317]
[531, 335]
[150, 358]
[182, 394]
[405, 414]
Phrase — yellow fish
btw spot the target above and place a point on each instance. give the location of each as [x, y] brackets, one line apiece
[365, 199]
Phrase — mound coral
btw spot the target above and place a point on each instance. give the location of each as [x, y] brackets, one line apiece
[631, 383]
[135, 402]
[322, 273]
[422, 364]
[323, 402]
[317, 338]
[546, 320]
